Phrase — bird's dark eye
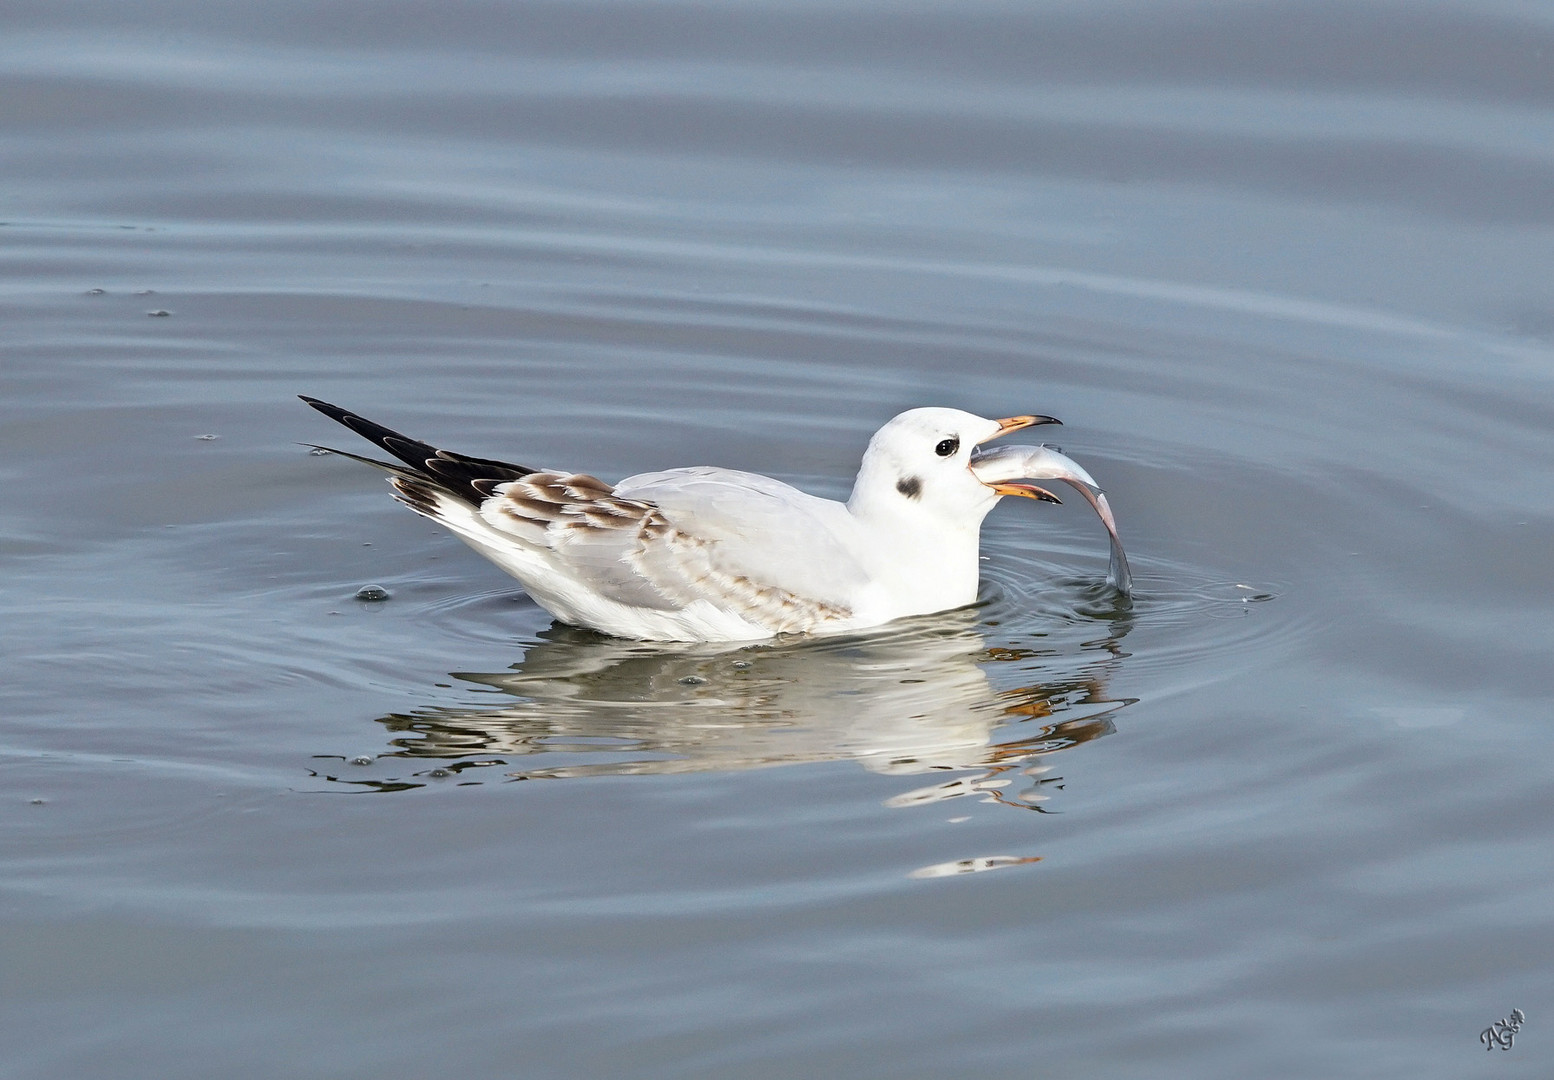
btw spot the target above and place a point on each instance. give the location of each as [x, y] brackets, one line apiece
[947, 447]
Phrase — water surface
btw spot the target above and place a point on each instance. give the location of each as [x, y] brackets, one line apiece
[1281, 269]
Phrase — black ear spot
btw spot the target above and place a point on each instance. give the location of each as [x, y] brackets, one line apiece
[910, 486]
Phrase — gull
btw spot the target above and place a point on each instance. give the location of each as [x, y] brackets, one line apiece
[712, 554]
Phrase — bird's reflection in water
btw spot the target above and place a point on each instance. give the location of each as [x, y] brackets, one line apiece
[928, 697]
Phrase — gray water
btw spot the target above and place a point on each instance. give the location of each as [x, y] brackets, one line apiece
[1283, 270]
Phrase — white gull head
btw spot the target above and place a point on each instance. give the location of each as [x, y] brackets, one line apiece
[921, 506]
[918, 466]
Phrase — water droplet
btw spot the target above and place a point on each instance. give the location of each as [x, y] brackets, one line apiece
[362, 759]
[372, 594]
[693, 680]
[145, 292]
[207, 438]
[96, 292]
[159, 313]
[38, 802]
[742, 665]
[440, 773]
[319, 451]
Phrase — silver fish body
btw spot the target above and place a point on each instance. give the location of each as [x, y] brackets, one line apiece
[1007, 463]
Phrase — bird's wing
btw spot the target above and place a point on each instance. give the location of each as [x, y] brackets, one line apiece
[761, 529]
[744, 543]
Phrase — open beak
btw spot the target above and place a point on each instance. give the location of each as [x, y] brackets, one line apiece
[1015, 423]
[1028, 491]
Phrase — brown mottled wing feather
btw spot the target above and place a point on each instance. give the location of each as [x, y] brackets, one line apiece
[631, 551]
[589, 533]
[635, 551]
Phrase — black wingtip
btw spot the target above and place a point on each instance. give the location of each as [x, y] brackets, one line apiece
[454, 473]
[334, 412]
[412, 452]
